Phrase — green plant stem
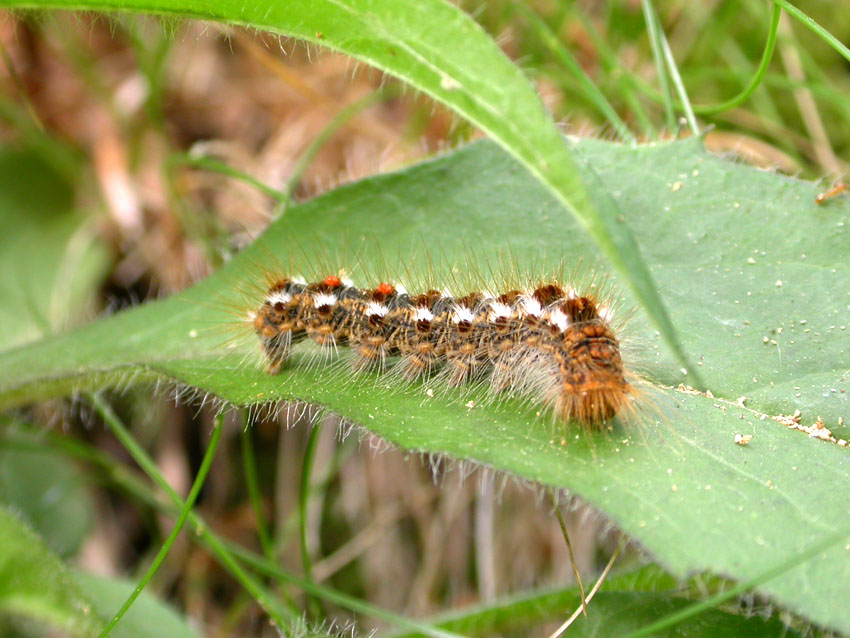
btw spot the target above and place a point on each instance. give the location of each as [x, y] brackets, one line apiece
[661, 47]
[625, 81]
[673, 69]
[566, 58]
[814, 26]
[343, 600]
[336, 123]
[275, 611]
[249, 466]
[304, 496]
[566, 535]
[761, 71]
[210, 164]
[206, 463]
[767, 54]
[303, 502]
[740, 68]
[560, 630]
[284, 197]
[221, 548]
[653, 29]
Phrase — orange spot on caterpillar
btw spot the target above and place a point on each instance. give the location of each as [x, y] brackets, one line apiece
[332, 281]
[385, 289]
[840, 187]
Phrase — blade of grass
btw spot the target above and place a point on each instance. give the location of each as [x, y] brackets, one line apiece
[206, 463]
[278, 613]
[591, 91]
[566, 536]
[622, 78]
[224, 550]
[740, 69]
[303, 502]
[758, 76]
[767, 54]
[825, 35]
[214, 165]
[249, 466]
[662, 96]
[343, 600]
[336, 123]
[653, 29]
[569, 621]
[660, 40]
[677, 81]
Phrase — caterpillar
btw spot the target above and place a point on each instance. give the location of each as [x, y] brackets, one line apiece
[547, 343]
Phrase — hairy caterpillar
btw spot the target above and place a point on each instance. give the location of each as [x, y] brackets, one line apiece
[546, 343]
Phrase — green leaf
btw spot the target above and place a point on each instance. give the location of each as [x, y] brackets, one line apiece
[35, 584]
[45, 290]
[625, 603]
[608, 614]
[47, 489]
[147, 618]
[681, 487]
[436, 48]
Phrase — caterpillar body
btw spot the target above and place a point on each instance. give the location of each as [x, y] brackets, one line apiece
[547, 344]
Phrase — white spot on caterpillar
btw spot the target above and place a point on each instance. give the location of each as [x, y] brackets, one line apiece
[298, 279]
[279, 297]
[462, 314]
[531, 306]
[324, 299]
[376, 308]
[348, 283]
[498, 310]
[400, 289]
[423, 314]
[605, 313]
[558, 319]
